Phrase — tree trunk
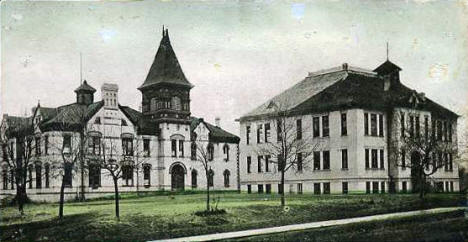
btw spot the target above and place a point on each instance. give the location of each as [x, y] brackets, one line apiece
[138, 181]
[283, 203]
[207, 193]
[20, 191]
[422, 186]
[82, 195]
[62, 191]
[116, 194]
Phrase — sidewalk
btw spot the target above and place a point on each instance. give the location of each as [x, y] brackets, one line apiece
[296, 227]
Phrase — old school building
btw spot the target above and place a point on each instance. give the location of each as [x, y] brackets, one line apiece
[356, 115]
[156, 146]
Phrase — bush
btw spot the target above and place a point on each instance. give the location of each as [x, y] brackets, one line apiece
[206, 213]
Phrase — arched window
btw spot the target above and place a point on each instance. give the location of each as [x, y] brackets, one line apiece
[47, 174]
[210, 151]
[193, 151]
[176, 103]
[38, 172]
[127, 175]
[210, 177]
[226, 175]
[67, 179]
[226, 152]
[147, 174]
[94, 176]
[194, 178]
[153, 104]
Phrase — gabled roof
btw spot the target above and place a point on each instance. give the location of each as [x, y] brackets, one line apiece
[18, 126]
[165, 68]
[387, 67]
[216, 134]
[145, 126]
[85, 87]
[71, 117]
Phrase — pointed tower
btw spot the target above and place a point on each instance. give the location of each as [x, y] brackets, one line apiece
[166, 90]
[85, 94]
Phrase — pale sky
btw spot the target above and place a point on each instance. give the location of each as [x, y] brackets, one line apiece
[238, 54]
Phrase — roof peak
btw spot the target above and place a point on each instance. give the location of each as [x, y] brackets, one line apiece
[343, 67]
[85, 87]
[387, 67]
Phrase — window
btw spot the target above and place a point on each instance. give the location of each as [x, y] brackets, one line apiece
[146, 175]
[411, 130]
[267, 132]
[249, 164]
[317, 188]
[146, 148]
[38, 176]
[439, 130]
[5, 178]
[210, 150]
[123, 122]
[38, 145]
[127, 175]
[317, 160]
[12, 179]
[267, 163]
[450, 132]
[210, 177]
[426, 127]
[374, 159]
[367, 158]
[433, 129]
[94, 176]
[46, 145]
[194, 178]
[451, 186]
[382, 162]
[193, 151]
[403, 159]
[368, 187]
[181, 148]
[325, 126]
[298, 129]
[374, 124]
[299, 161]
[259, 133]
[30, 168]
[402, 124]
[268, 188]
[447, 189]
[226, 152]
[260, 188]
[381, 131]
[278, 130]
[66, 144]
[299, 188]
[382, 187]
[174, 147]
[404, 187]
[47, 174]
[316, 126]
[259, 164]
[344, 159]
[366, 124]
[418, 127]
[176, 103]
[446, 162]
[445, 129]
[5, 152]
[249, 188]
[67, 178]
[344, 186]
[127, 146]
[326, 188]
[94, 145]
[326, 160]
[450, 162]
[344, 125]
[375, 187]
[226, 175]
[247, 134]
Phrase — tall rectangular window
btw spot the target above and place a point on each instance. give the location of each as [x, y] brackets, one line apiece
[66, 143]
[249, 164]
[316, 160]
[403, 159]
[374, 124]
[433, 129]
[67, 178]
[445, 128]
[418, 127]
[267, 163]
[316, 126]
[402, 124]
[366, 124]
[326, 188]
[299, 161]
[374, 159]
[344, 125]
[439, 130]
[375, 187]
[367, 158]
[368, 184]
[174, 147]
[181, 148]
[299, 129]
[344, 159]
[382, 162]
[450, 161]
[38, 176]
[317, 188]
[381, 129]
[127, 146]
[279, 130]
[147, 175]
[344, 186]
[426, 127]
[382, 187]
[450, 131]
[325, 126]
[267, 132]
[259, 163]
[38, 145]
[326, 160]
[46, 145]
[259, 133]
[146, 147]
[247, 134]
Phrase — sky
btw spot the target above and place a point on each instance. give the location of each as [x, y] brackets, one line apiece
[238, 54]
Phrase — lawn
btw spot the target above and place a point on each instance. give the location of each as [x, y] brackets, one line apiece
[168, 216]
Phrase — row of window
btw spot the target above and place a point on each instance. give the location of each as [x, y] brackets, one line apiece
[374, 159]
[169, 103]
[376, 127]
[194, 152]
[319, 188]
[211, 174]
[439, 159]
[440, 129]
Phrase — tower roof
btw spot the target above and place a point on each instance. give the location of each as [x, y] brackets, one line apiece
[85, 87]
[165, 68]
[386, 68]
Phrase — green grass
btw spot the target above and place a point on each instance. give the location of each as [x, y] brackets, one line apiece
[168, 216]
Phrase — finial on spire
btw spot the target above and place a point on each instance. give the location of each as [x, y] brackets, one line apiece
[163, 31]
[387, 50]
[81, 69]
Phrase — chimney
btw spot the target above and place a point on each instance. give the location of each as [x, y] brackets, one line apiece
[345, 66]
[217, 122]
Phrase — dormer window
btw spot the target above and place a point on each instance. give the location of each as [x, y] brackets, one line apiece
[97, 120]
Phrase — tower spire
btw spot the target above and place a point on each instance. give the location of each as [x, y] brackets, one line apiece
[163, 31]
[81, 69]
[387, 50]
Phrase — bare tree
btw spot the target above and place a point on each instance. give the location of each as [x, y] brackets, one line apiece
[422, 145]
[140, 158]
[204, 155]
[293, 148]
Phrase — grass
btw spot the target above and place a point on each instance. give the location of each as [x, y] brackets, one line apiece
[451, 226]
[169, 216]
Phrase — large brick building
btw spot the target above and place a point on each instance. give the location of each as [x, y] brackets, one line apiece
[356, 115]
[162, 137]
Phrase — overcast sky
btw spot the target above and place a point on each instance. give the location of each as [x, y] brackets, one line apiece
[237, 54]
